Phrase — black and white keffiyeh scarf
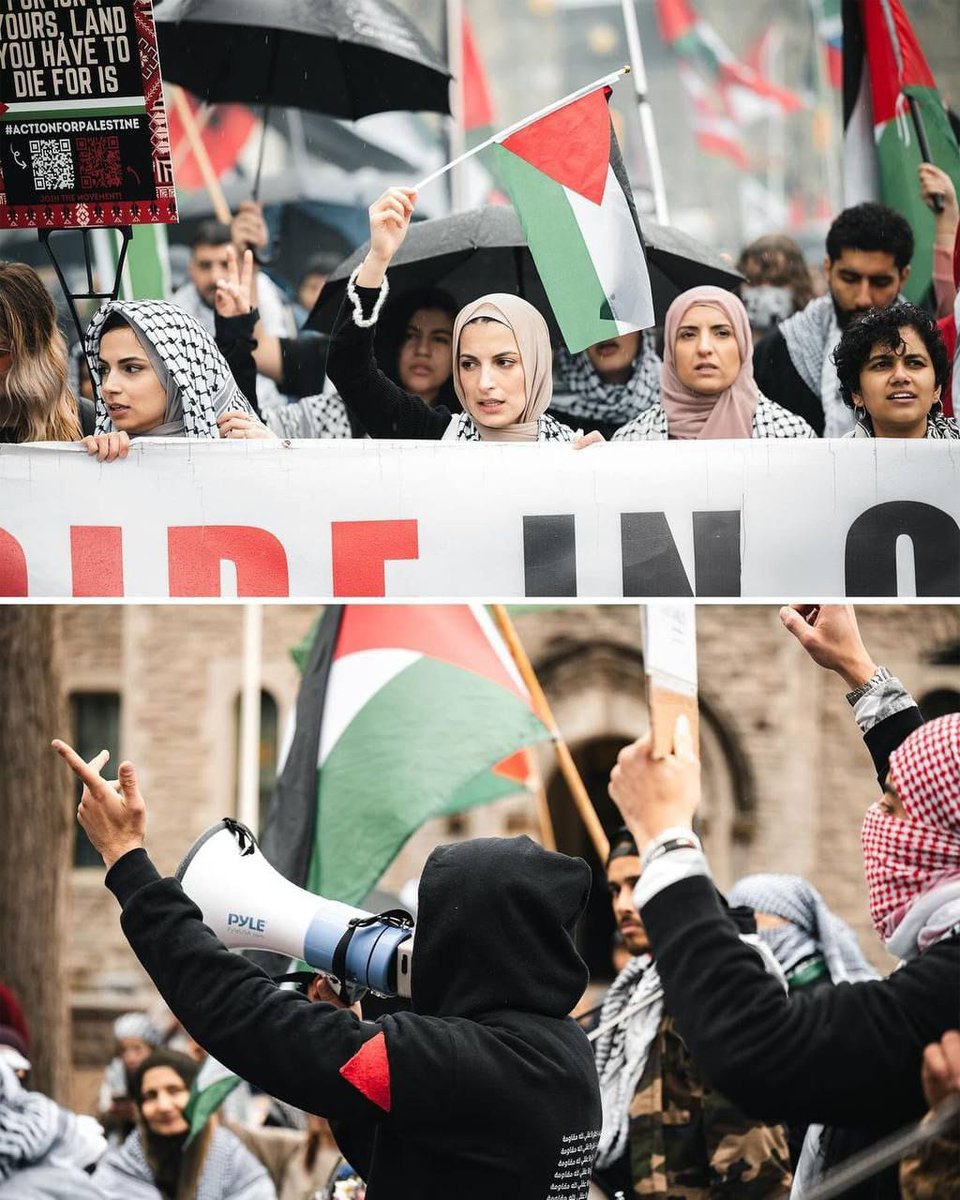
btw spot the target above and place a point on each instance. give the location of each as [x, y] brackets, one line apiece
[938, 426]
[582, 393]
[462, 429]
[812, 927]
[812, 336]
[629, 1020]
[33, 1129]
[311, 417]
[199, 383]
[29, 1124]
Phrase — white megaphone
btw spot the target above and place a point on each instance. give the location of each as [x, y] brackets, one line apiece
[250, 906]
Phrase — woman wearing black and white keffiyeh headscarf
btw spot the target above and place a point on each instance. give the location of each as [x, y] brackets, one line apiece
[158, 373]
[607, 385]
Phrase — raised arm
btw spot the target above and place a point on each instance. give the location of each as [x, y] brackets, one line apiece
[847, 1055]
[884, 710]
[384, 409]
[275, 1039]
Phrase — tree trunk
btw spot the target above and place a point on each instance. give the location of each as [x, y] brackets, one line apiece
[36, 803]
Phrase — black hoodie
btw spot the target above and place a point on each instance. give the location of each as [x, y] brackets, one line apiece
[486, 1089]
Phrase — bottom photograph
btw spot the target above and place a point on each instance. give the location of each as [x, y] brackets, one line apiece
[311, 902]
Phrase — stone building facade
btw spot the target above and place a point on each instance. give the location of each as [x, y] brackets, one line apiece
[786, 776]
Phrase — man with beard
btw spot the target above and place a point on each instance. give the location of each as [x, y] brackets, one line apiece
[869, 248]
[210, 261]
[665, 1131]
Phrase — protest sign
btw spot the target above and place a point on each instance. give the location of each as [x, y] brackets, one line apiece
[83, 132]
[789, 520]
[670, 665]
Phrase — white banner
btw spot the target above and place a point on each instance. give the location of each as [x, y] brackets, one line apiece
[787, 519]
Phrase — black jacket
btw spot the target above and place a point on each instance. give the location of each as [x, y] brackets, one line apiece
[846, 1056]
[779, 379]
[381, 406]
[486, 1089]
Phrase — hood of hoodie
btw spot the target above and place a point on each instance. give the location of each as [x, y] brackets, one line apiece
[495, 928]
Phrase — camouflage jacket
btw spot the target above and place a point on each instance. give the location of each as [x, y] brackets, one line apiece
[688, 1143]
[934, 1172]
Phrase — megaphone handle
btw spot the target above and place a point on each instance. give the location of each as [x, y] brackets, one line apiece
[347, 993]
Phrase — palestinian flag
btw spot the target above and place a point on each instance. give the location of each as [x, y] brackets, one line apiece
[476, 111]
[714, 129]
[882, 66]
[146, 267]
[747, 92]
[405, 712]
[477, 106]
[566, 180]
[212, 1084]
[226, 131]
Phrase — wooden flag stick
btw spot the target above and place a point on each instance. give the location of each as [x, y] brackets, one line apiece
[548, 838]
[541, 705]
[210, 180]
[184, 149]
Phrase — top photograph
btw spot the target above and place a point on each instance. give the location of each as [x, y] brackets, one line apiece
[321, 300]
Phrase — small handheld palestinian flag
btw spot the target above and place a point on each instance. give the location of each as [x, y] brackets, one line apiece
[212, 1084]
[563, 170]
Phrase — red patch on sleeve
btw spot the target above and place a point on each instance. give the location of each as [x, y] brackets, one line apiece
[369, 1072]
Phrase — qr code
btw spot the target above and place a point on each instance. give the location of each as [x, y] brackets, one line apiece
[99, 162]
[52, 165]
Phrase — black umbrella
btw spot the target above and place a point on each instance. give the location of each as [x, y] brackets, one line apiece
[345, 60]
[484, 250]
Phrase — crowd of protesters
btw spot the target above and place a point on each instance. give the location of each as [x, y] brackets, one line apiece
[746, 1047]
[221, 358]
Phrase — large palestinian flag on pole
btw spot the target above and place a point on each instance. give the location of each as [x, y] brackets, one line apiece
[566, 181]
[883, 65]
[405, 712]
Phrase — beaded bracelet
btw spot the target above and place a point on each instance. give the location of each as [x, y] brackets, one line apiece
[359, 319]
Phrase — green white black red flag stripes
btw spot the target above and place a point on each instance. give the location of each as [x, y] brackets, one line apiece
[567, 183]
[406, 712]
[883, 65]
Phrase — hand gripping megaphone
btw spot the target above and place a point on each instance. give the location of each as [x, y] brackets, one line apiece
[250, 906]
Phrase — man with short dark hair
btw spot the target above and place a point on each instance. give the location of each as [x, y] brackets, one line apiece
[210, 261]
[665, 1131]
[869, 248]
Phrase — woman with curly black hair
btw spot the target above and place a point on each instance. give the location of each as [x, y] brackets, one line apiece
[892, 366]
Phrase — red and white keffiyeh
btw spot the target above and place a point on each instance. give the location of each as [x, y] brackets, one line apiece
[906, 857]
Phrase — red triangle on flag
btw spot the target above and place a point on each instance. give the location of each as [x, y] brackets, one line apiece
[516, 766]
[369, 1071]
[571, 145]
[448, 632]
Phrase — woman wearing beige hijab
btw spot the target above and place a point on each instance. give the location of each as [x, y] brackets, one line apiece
[502, 361]
[707, 389]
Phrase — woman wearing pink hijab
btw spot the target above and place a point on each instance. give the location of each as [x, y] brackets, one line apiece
[707, 389]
